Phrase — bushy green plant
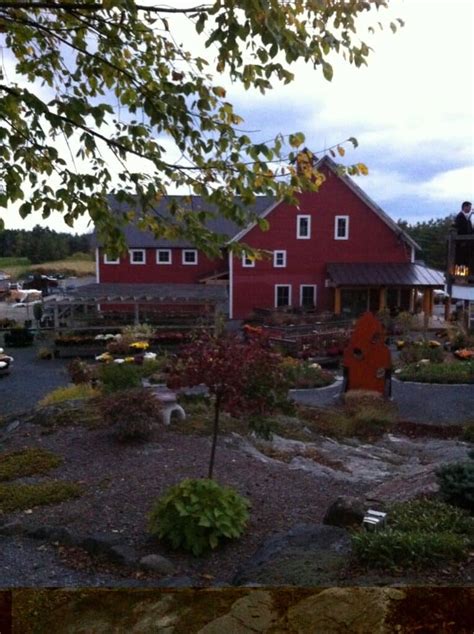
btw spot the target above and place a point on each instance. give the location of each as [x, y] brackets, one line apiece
[198, 514]
[395, 548]
[119, 376]
[263, 427]
[69, 393]
[456, 482]
[132, 413]
[468, 432]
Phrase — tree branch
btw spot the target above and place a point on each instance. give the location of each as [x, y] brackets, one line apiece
[66, 6]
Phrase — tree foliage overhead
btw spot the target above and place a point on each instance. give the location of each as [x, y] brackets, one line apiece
[120, 90]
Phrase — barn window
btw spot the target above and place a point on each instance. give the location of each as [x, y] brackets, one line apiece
[303, 227]
[282, 295]
[137, 256]
[279, 259]
[163, 256]
[248, 261]
[308, 295]
[341, 228]
[190, 256]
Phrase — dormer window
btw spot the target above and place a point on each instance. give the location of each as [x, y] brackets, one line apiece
[303, 227]
[341, 228]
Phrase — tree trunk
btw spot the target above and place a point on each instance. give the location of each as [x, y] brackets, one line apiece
[215, 431]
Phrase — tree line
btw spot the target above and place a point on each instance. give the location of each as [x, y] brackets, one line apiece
[41, 244]
[431, 235]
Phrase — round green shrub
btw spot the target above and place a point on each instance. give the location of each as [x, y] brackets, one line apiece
[197, 514]
[456, 482]
[131, 413]
[116, 377]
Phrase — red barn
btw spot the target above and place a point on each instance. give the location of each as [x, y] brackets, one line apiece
[336, 251]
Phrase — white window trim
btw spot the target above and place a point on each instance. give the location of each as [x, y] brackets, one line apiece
[277, 286]
[275, 259]
[132, 251]
[170, 257]
[346, 235]
[300, 217]
[183, 257]
[107, 261]
[315, 287]
[247, 264]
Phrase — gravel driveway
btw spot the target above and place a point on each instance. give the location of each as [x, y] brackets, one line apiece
[29, 380]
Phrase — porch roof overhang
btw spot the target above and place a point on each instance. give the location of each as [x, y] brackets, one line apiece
[152, 293]
[384, 274]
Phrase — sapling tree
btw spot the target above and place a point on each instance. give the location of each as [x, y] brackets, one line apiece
[243, 378]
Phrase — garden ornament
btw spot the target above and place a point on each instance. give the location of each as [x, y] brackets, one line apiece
[374, 520]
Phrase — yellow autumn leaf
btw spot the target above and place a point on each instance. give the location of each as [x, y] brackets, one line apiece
[340, 150]
[363, 169]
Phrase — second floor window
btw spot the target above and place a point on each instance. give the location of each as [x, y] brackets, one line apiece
[190, 256]
[247, 261]
[137, 256]
[163, 256]
[303, 227]
[341, 228]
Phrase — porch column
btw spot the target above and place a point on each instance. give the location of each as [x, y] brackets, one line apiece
[428, 301]
[136, 314]
[337, 301]
[412, 300]
[382, 297]
[55, 316]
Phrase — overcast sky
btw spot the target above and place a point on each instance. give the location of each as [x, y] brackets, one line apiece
[411, 110]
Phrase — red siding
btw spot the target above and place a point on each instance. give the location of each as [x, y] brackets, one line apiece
[370, 240]
[152, 273]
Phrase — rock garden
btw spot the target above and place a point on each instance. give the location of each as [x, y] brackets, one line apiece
[251, 487]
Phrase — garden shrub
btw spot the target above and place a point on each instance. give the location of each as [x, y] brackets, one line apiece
[45, 353]
[198, 514]
[263, 426]
[457, 372]
[415, 351]
[132, 413]
[80, 371]
[116, 377]
[19, 338]
[393, 548]
[303, 374]
[18, 497]
[468, 432]
[26, 462]
[81, 391]
[456, 482]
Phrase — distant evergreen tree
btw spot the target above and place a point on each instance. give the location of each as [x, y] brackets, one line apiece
[431, 236]
[41, 244]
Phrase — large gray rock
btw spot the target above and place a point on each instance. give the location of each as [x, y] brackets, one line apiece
[346, 512]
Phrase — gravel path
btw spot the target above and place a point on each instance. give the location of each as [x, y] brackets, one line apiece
[29, 380]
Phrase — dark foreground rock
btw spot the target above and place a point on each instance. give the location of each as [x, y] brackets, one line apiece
[305, 556]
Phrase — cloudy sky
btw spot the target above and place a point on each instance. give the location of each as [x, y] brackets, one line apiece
[411, 110]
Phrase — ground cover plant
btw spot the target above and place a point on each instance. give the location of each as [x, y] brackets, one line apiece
[26, 462]
[18, 497]
[455, 372]
[79, 391]
[197, 515]
[420, 534]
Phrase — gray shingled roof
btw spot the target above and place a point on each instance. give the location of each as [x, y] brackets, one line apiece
[384, 274]
[137, 238]
[198, 293]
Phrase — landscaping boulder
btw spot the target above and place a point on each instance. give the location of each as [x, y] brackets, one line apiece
[346, 512]
[157, 563]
